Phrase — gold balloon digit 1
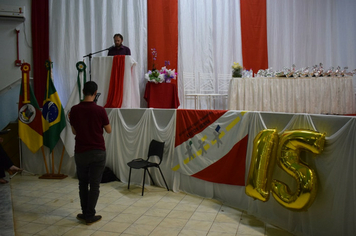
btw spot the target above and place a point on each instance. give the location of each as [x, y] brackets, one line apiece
[262, 163]
[290, 145]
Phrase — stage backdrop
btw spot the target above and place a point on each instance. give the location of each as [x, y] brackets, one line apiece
[209, 35]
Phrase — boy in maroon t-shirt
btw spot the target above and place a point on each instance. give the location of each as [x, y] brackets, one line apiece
[88, 121]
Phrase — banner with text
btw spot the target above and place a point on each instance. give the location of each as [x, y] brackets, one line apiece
[211, 145]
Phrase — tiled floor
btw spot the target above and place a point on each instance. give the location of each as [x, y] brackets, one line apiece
[49, 207]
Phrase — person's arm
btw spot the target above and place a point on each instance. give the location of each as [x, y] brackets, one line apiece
[73, 130]
[107, 128]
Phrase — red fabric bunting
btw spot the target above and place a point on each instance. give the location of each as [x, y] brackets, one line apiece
[116, 88]
[230, 169]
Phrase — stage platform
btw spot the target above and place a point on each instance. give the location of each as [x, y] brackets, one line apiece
[332, 211]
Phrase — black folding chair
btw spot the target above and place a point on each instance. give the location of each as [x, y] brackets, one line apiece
[156, 149]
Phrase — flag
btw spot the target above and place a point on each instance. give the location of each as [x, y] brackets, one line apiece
[212, 145]
[52, 112]
[30, 116]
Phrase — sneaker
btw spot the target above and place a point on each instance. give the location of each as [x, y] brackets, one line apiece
[93, 219]
[81, 217]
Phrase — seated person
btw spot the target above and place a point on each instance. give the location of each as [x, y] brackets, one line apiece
[6, 164]
[119, 48]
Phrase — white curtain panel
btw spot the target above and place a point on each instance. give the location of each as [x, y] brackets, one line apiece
[80, 27]
[307, 32]
[209, 38]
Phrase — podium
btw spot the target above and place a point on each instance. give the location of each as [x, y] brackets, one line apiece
[101, 72]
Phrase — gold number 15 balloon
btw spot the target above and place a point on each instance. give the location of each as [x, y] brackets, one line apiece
[291, 143]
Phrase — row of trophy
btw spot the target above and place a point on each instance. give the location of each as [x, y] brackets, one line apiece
[314, 71]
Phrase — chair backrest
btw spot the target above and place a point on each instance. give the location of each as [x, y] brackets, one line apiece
[189, 82]
[224, 83]
[207, 83]
[156, 149]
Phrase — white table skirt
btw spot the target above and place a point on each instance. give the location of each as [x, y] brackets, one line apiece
[323, 95]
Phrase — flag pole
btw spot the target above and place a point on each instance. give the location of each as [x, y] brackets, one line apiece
[53, 175]
[52, 162]
[60, 165]
[44, 158]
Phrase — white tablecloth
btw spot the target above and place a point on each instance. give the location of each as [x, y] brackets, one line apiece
[323, 95]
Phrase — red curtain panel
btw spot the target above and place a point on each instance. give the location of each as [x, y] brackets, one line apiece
[254, 34]
[40, 46]
[162, 24]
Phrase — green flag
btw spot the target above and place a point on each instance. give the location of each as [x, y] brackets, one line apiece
[52, 112]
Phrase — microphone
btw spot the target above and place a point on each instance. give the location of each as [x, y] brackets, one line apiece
[90, 54]
[110, 47]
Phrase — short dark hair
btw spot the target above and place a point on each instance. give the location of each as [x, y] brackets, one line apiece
[118, 35]
[89, 88]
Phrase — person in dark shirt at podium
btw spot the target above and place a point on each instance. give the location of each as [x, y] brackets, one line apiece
[119, 48]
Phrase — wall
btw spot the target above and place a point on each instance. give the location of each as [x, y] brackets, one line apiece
[9, 73]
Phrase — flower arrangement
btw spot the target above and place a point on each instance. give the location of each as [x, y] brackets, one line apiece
[236, 70]
[160, 76]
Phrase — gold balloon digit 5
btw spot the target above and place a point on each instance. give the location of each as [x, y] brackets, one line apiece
[262, 163]
[290, 145]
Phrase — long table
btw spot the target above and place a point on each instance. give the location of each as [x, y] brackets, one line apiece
[322, 95]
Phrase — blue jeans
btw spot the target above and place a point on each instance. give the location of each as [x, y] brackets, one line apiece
[90, 167]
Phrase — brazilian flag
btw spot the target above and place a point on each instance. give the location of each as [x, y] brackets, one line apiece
[52, 112]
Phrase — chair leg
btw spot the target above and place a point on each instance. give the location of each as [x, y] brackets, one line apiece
[143, 183]
[128, 186]
[149, 174]
[163, 178]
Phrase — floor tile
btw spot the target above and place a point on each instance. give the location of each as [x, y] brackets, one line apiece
[31, 228]
[178, 214]
[173, 223]
[203, 216]
[149, 220]
[198, 225]
[138, 229]
[186, 232]
[114, 227]
[163, 231]
[40, 208]
[79, 232]
[224, 227]
[54, 230]
[126, 218]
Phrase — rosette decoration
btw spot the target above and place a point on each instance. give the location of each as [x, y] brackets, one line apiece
[81, 69]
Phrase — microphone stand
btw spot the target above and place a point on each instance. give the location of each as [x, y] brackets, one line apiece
[90, 56]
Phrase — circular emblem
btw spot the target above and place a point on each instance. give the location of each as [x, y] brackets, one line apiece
[27, 113]
[26, 68]
[50, 111]
[81, 66]
[48, 64]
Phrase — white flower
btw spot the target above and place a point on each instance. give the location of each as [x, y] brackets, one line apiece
[161, 78]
